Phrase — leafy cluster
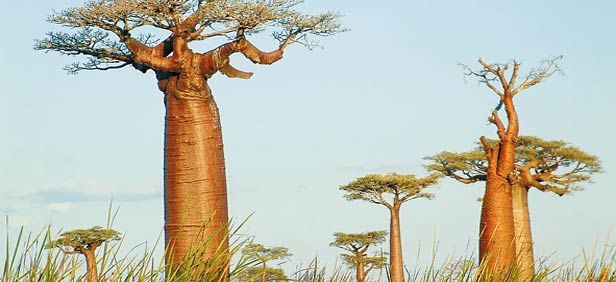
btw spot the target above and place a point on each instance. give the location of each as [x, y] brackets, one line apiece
[554, 166]
[403, 187]
[76, 241]
[101, 28]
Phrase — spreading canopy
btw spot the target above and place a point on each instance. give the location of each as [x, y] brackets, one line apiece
[374, 188]
[354, 242]
[144, 33]
[554, 166]
[76, 241]
[265, 254]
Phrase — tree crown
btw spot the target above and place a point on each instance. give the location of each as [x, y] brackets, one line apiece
[112, 33]
[266, 254]
[402, 187]
[357, 241]
[552, 165]
[76, 241]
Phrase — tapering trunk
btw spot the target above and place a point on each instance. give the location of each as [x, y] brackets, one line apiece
[264, 274]
[396, 269]
[91, 271]
[523, 234]
[496, 233]
[195, 181]
[361, 272]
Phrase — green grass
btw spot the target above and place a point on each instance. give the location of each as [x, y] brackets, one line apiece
[26, 259]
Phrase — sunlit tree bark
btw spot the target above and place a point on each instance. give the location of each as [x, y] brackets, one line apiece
[547, 166]
[497, 248]
[107, 34]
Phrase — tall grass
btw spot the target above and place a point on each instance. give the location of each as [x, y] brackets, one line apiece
[27, 260]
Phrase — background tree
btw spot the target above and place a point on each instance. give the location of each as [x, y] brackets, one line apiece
[391, 191]
[112, 34]
[85, 242]
[264, 255]
[357, 244]
[497, 250]
[548, 166]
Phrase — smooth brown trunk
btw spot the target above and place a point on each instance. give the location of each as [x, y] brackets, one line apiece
[264, 275]
[92, 273]
[195, 181]
[396, 269]
[496, 238]
[496, 233]
[361, 273]
[523, 234]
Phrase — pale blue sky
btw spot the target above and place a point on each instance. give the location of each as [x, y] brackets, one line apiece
[376, 99]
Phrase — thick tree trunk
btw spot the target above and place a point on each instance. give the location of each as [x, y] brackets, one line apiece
[496, 237]
[361, 273]
[396, 269]
[497, 233]
[523, 234]
[91, 271]
[195, 181]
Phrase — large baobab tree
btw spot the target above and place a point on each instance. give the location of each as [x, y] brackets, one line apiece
[357, 244]
[548, 166]
[391, 190]
[111, 34]
[85, 242]
[496, 240]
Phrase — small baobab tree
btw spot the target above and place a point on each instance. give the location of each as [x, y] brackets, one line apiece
[547, 166]
[497, 250]
[358, 244]
[113, 34]
[264, 255]
[85, 242]
[391, 190]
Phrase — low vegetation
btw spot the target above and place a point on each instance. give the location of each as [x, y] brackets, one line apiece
[28, 259]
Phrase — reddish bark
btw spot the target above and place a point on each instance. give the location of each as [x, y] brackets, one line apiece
[523, 234]
[91, 271]
[497, 249]
[195, 184]
[395, 245]
[361, 272]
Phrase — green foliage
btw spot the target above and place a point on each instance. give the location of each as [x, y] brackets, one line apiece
[402, 187]
[77, 240]
[266, 254]
[99, 28]
[357, 244]
[255, 274]
[357, 241]
[555, 165]
[26, 259]
[263, 255]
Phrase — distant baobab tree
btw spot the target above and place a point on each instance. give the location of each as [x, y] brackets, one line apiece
[357, 244]
[497, 250]
[391, 191]
[85, 242]
[547, 166]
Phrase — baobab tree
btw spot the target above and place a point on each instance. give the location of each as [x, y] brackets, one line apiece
[85, 242]
[264, 255]
[391, 190]
[358, 244]
[110, 34]
[497, 250]
[547, 166]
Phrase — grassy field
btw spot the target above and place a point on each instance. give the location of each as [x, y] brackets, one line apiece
[27, 259]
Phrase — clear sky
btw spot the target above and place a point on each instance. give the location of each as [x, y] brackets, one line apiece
[376, 99]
